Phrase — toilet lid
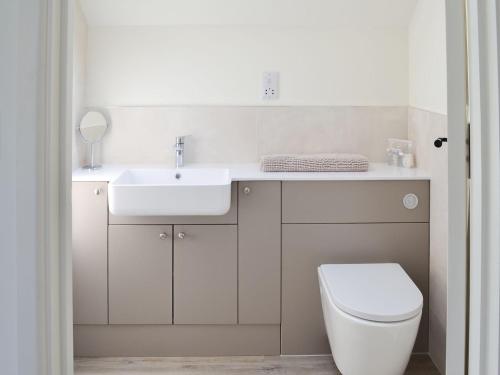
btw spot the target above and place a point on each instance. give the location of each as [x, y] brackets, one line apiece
[376, 292]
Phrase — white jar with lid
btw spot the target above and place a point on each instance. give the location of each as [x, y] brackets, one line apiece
[407, 160]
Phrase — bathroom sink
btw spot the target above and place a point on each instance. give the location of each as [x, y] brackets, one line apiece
[158, 192]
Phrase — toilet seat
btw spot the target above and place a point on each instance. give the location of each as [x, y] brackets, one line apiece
[374, 292]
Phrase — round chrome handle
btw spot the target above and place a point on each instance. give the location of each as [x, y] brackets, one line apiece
[97, 191]
[247, 190]
[163, 236]
[181, 235]
[410, 201]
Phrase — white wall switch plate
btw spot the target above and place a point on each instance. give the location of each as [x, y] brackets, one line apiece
[270, 85]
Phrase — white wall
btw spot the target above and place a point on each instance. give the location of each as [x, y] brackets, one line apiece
[427, 57]
[353, 62]
[317, 13]
[79, 82]
[224, 65]
[333, 81]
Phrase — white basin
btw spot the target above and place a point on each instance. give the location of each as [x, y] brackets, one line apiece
[172, 192]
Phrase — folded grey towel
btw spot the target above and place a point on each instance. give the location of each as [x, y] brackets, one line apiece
[314, 163]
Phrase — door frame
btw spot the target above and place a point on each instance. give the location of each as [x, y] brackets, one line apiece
[483, 34]
[56, 287]
[456, 323]
[54, 188]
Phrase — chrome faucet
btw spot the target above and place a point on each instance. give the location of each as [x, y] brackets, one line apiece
[179, 152]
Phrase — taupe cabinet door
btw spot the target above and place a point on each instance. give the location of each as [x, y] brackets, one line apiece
[259, 252]
[306, 246]
[90, 253]
[140, 274]
[205, 274]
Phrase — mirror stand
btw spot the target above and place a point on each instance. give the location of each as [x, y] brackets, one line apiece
[92, 165]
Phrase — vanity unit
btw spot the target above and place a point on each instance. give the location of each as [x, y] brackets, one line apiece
[243, 283]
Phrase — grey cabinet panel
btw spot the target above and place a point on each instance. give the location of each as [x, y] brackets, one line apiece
[205, 274]
[90, 253]
[140, 274]
[229, 218]
[259, 252]
[353, 201]
[176, 340]
[306, 246]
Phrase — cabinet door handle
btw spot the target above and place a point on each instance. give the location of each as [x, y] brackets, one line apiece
[163, 236]
[247, 190]
[97, 191]
[181, 235]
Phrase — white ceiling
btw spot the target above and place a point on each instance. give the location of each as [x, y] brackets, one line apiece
[305, 13]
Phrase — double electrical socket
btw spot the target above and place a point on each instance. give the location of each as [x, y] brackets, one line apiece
[270, 85]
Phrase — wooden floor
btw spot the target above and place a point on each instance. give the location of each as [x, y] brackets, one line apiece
[320, 365]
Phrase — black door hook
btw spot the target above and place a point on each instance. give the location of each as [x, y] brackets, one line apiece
[439, 142]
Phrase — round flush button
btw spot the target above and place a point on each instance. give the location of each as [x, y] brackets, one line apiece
[410, 201]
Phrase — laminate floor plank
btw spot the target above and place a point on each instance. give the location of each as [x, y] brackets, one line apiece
[286, 365]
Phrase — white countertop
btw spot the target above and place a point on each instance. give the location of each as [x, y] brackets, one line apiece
[252, 172]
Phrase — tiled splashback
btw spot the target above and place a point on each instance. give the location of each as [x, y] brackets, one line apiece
[423, 128]
[243, 134]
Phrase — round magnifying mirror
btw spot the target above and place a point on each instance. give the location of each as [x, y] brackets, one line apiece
[92, 128]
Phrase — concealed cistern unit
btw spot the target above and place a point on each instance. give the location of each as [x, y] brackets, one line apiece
[179, 151]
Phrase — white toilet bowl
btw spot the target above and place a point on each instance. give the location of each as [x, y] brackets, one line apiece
[372, 313]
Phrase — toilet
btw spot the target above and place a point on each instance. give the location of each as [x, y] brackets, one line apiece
[372, 313]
